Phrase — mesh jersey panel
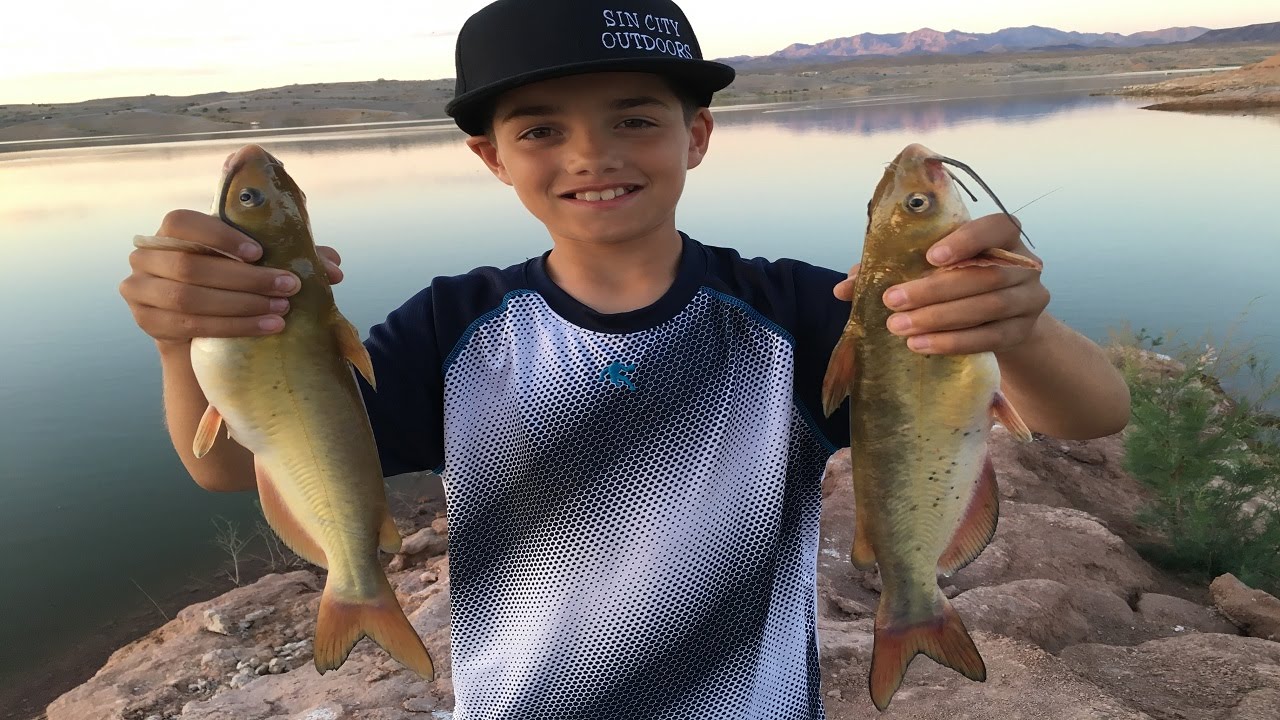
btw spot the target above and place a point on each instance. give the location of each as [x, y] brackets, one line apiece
[633, 518]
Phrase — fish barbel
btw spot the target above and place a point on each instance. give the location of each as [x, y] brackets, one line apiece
[923, 483]
[291, 399]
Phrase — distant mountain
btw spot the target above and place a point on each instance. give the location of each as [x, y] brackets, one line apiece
[927, 41]
[1262, 32]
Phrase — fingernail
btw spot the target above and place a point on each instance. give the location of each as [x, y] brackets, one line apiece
[271, 324]
[898, 323]
[286, 283]
[279, 306]
[939, 255]
[919, 342]
[249, 251]
[895, 298]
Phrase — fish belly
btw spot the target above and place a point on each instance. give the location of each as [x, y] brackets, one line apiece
[301, 416]
[917, 460]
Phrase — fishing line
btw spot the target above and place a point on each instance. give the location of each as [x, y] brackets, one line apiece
[1038, 199]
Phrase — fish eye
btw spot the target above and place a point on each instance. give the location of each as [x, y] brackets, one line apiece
[251, 197]
[917, 202]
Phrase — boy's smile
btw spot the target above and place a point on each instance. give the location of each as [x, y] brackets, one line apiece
[597, 158]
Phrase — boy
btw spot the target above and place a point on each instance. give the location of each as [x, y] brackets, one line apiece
[628, 426]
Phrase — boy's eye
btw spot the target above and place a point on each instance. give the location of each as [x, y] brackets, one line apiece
[636, 123]
[536, 133]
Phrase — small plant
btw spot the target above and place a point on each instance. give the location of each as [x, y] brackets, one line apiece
[227, 536]
[1212, 458]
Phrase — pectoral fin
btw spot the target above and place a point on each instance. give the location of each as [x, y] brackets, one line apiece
[207, 431]
[160, 242]
[840, 371]
[351, 348]
[1008, 417]
[996, 257]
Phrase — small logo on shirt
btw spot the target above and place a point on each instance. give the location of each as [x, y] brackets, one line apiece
[614, 374]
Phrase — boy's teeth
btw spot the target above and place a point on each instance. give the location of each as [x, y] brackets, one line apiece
[592, 195]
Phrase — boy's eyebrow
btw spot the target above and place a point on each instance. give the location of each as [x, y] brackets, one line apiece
[638, 101]
[626, 103]
[527, 111]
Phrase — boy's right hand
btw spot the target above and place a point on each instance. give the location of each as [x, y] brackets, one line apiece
[176, 296]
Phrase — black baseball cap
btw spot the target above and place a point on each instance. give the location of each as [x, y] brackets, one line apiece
[512, 42]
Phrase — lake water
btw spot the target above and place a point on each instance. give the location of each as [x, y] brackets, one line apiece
[1161, 220]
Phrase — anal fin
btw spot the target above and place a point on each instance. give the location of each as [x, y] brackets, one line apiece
[352, 348]
[284, 522]
[977, 525]
[207, 431]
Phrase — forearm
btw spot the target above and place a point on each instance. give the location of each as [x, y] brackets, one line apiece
[227, 466]
[1063, 385]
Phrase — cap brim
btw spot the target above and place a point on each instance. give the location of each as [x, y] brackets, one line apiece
[703, 77]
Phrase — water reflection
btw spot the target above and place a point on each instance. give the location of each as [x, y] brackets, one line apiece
[913, 113]
[1157, 219]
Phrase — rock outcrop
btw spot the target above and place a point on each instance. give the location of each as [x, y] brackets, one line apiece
[1248, 87]
[1071, 622]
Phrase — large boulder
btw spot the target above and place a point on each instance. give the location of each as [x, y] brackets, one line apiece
[1254, 611]
[1198, 676]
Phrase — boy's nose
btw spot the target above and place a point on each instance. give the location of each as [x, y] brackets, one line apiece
[591, 153]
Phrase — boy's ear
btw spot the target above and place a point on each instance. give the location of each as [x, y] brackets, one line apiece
[484, 148]
[699, 137]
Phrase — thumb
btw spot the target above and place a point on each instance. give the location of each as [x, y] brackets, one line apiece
[843, 290]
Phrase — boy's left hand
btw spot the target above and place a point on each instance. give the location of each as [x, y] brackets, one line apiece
[969, 310]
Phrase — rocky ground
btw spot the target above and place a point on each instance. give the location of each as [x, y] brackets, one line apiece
[1250, 87]
[1071, 622]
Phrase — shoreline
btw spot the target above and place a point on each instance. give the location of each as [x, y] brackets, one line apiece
[419, 105]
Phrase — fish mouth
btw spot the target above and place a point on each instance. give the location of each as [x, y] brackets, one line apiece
[249, 153]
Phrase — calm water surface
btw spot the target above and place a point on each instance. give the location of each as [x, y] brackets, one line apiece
[1161, 220]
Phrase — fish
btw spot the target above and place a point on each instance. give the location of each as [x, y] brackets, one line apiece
[292, 400]
[924, 487]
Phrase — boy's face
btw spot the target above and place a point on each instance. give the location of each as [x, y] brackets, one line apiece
[566, 144]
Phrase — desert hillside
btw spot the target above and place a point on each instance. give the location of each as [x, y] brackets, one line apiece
[293, 107]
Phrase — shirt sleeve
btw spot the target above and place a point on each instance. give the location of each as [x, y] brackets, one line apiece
[406, 411]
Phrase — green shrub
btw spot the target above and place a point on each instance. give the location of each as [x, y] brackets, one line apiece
[1212, 460]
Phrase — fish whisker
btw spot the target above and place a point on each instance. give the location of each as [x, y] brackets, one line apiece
[962, 186]
[987, 188]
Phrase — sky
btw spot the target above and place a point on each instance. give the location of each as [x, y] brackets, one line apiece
[70, 50]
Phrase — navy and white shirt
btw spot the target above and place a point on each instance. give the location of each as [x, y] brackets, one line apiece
[633, 498]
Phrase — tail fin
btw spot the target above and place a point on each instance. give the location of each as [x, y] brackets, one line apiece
[942, 637]
[341, 624]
